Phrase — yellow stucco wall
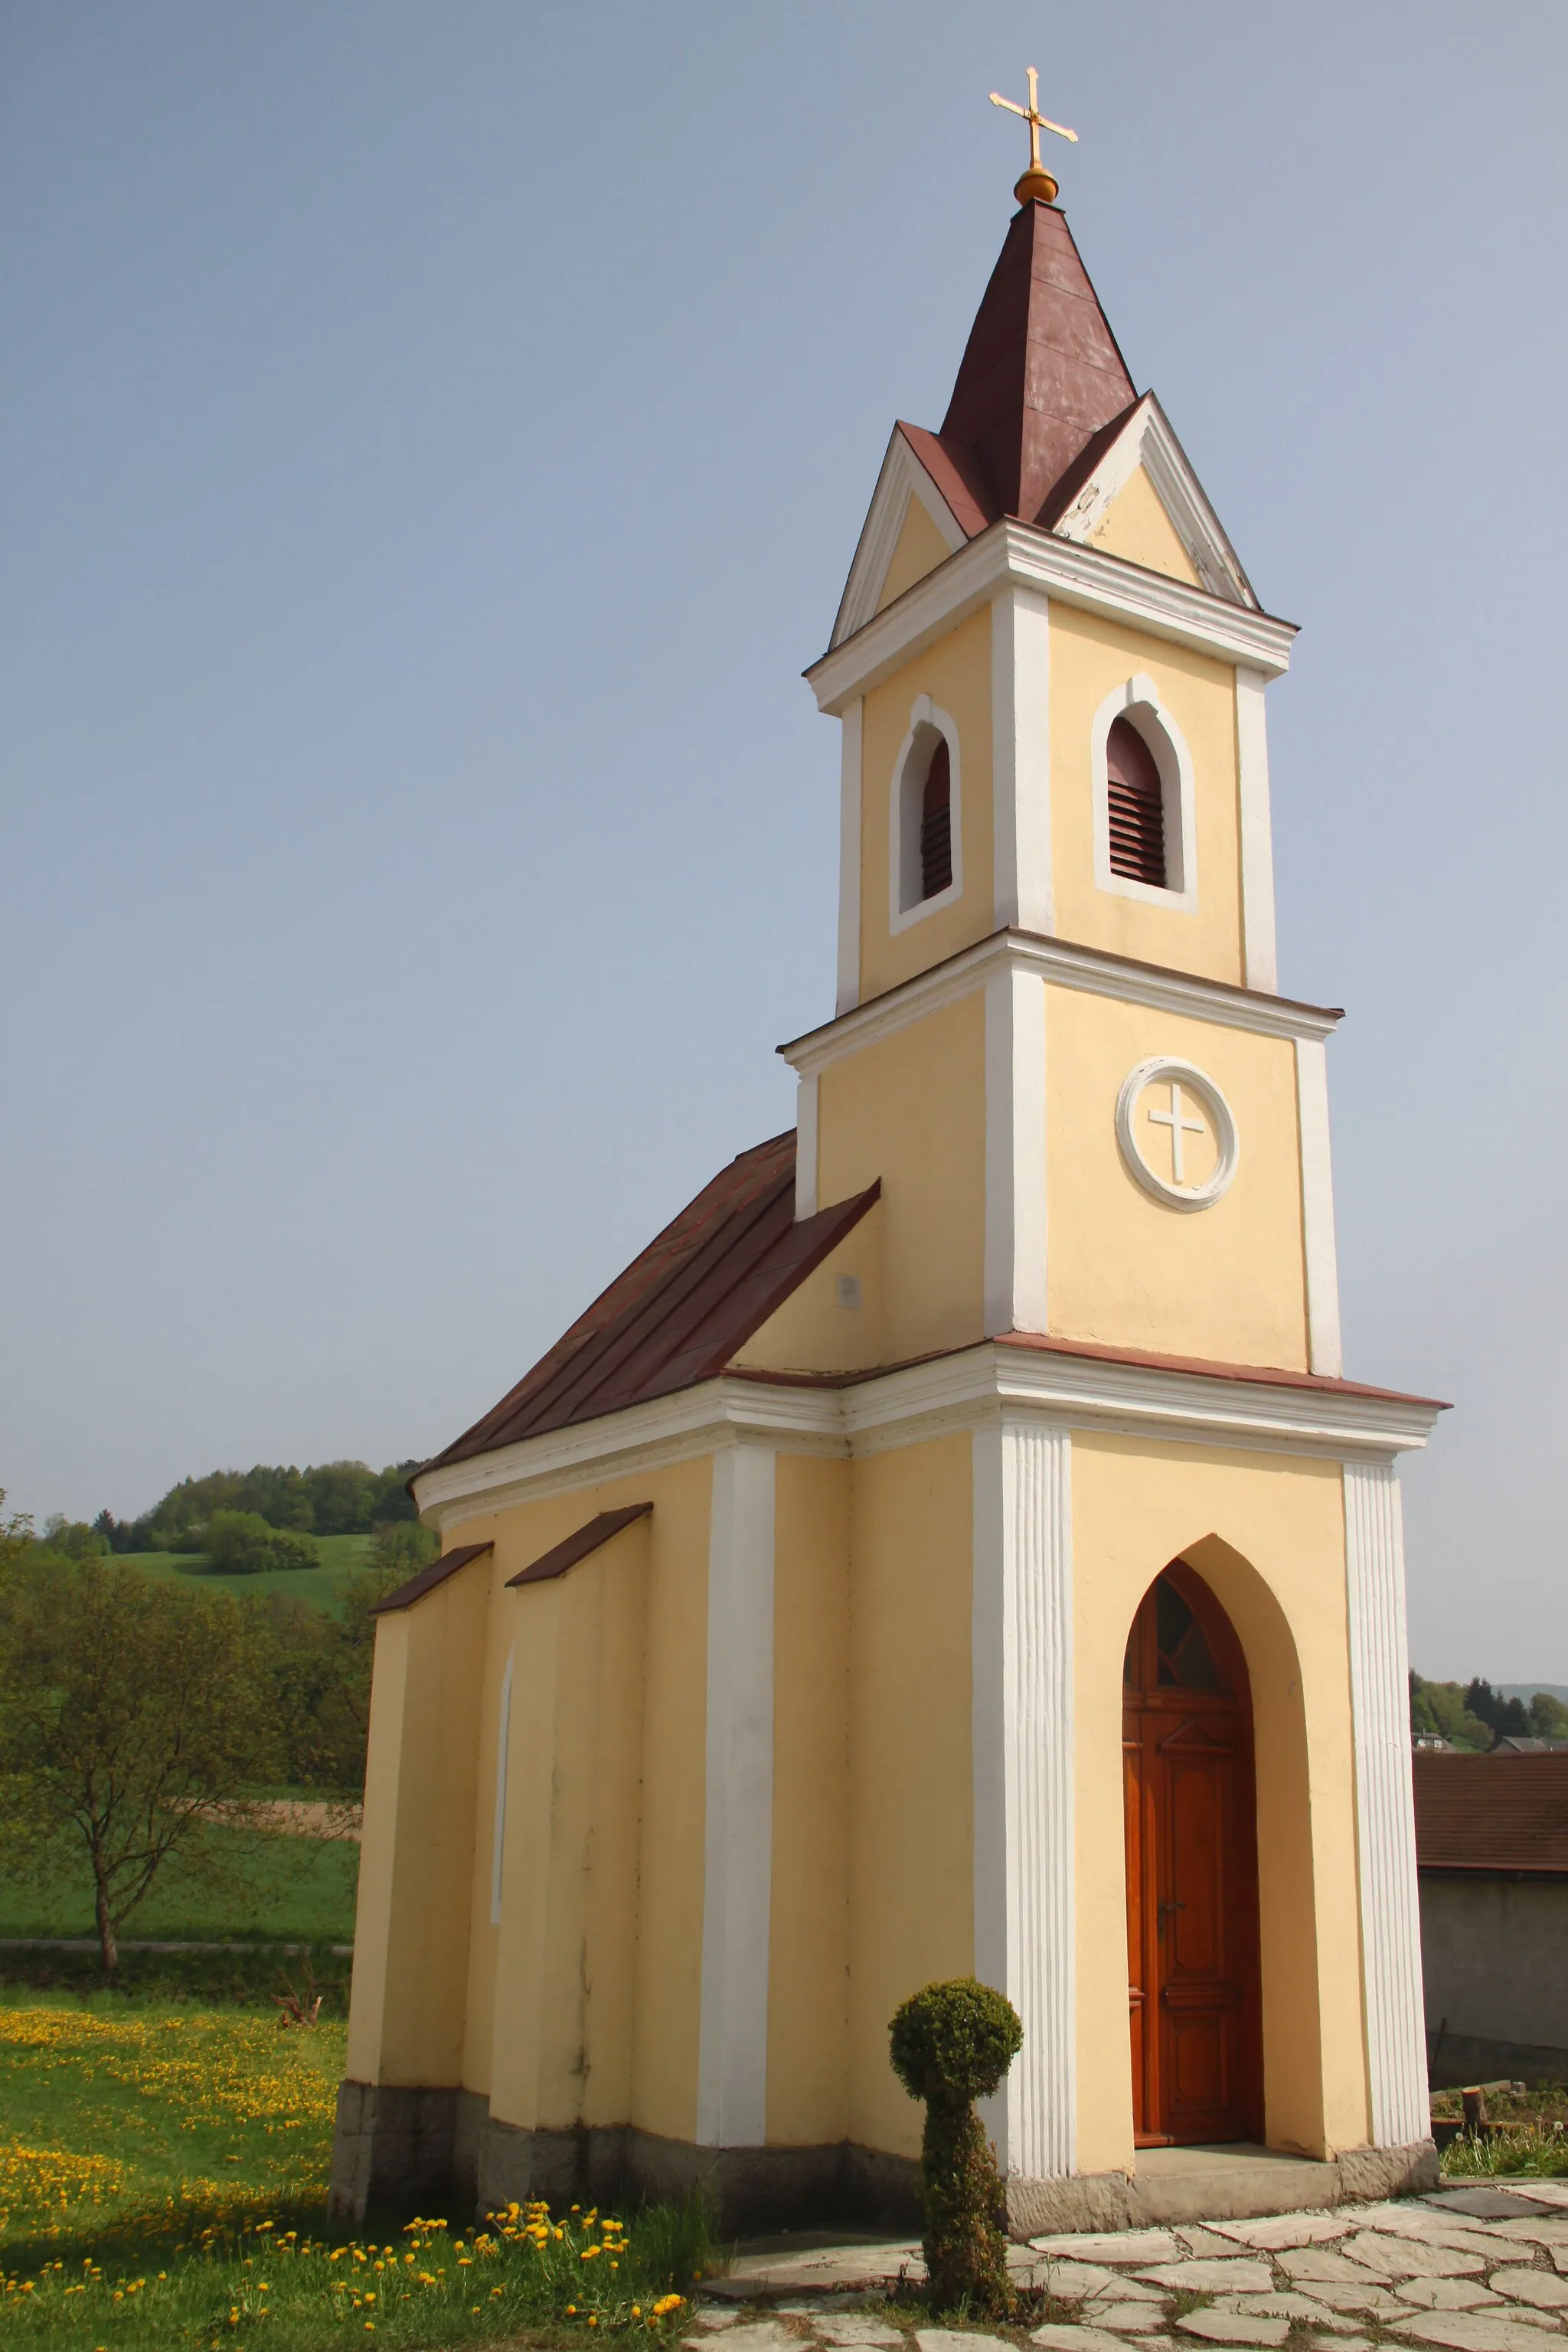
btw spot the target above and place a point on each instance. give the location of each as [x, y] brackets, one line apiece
[1226, 1282]
[911, 1889]
[1136, 527]
[1091, 656]
[957, 673]
[1267, 1535]
[811, 1332]
[406, 2014]
[808, 1956]
[911, 1109]
[918, 549]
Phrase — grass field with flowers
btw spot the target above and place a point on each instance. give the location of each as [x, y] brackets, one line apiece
[163, 2180]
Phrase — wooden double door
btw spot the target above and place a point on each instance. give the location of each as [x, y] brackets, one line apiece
[1192, 1871]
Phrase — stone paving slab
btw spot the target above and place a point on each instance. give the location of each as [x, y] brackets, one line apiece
[850, 2328]
[1324, 2265]
[1233, 2327]
[1077, 2339]
[1447, 2294]
[1128, 2249]
[1543, 2288]
[1240, 2275]
[1129, 2319]
[1474, 2331]
[1286, 2230]
[1489, 2204]
[1284, 2305]
[959, 2339]
[1402, 2258]
[758, 2335]
[1203, 2240]
[1075, 2281]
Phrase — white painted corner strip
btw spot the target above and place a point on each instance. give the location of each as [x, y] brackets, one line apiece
[737, 1887]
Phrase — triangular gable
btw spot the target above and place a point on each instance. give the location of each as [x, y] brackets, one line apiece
[1145, 438]
[903, 477]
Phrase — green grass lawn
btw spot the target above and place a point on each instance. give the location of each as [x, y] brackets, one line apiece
[296, 1889]
[322, 1587]
[163, 2176]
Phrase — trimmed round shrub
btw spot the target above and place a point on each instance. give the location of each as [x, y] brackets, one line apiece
[951, 2044]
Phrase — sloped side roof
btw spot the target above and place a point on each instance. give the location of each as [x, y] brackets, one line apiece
[1494, 1812]
[681, 1309]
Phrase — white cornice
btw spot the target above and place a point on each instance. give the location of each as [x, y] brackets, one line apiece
[903, 477]
[908, 1407]
[1020, 553]
[1065, 966]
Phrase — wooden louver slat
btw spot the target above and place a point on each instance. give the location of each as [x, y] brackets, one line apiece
[1136, 804]
[936, 823]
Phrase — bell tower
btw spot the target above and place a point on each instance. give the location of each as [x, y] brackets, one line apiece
[1049, 669]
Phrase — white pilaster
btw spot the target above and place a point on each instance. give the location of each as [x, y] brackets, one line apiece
[1014, 1152]
[805, 1146]
[849, 858]
[1385, 1816]
[1260, 964]
[1022, 1734]
[1021, 759]
[1325, 1353]
[732, 2066]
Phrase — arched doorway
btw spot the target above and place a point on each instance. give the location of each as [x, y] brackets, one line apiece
[1192, 1871]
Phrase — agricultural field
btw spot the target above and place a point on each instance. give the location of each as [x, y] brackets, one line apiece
[162, 2178]
[322, 1587]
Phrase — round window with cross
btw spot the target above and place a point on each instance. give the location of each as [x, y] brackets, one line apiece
[1176, 1133]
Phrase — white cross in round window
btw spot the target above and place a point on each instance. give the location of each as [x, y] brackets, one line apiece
[1176, 1133]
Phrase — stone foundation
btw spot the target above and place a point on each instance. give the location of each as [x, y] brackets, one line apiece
[439, 2150]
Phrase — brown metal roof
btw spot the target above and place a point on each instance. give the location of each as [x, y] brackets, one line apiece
[429, 1578]
[681, 1310]
[572, 1548]
[1491, 1814]
[1041, 375]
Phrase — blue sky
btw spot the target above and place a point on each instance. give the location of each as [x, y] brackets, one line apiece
[432, 443]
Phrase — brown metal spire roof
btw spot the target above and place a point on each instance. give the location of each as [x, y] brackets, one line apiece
[682, 1308]
[1041, 375]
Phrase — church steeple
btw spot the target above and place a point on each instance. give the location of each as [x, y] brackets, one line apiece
[1041, 375]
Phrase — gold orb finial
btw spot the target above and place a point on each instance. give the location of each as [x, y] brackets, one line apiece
[1036, 186]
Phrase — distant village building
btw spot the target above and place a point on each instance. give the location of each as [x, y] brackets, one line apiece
[1491, 1838]
[952, 1547]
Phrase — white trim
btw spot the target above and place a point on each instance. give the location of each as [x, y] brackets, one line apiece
[905, 905]
[1022, 1639]
[1324, 1352]
[1021, 759]
[1157, 1070]
[805, 1146]
[1260, 960]
[848, 993]
[1386, 1813]
[737, 1881]
[1085, 576]
[1138, 702]
[1090, 969]
[1015, 1298]
[503, 1752]
[901, 478]
[906, 1406]
[1146, 439]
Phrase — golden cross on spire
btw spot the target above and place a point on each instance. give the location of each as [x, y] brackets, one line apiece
[1036, 181]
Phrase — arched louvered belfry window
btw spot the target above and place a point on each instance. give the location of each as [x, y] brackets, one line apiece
[936, 822]
[1136, 802]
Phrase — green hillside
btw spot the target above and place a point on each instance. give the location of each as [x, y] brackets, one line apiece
[321, 1587]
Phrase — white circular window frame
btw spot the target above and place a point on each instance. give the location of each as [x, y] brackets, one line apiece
[1162, 1069]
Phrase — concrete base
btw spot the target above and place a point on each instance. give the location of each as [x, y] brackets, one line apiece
[414, 2150]
[1214, 2184]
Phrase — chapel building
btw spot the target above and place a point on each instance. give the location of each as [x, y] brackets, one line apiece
[952, 1547]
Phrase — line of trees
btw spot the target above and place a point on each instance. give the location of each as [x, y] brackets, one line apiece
[1476, 1717]
[328, 1499]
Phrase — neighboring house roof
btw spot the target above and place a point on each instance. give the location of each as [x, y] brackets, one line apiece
[682, 1308]
[1498, 1813]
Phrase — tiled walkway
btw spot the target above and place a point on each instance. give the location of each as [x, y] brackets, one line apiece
[1475, 2269]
